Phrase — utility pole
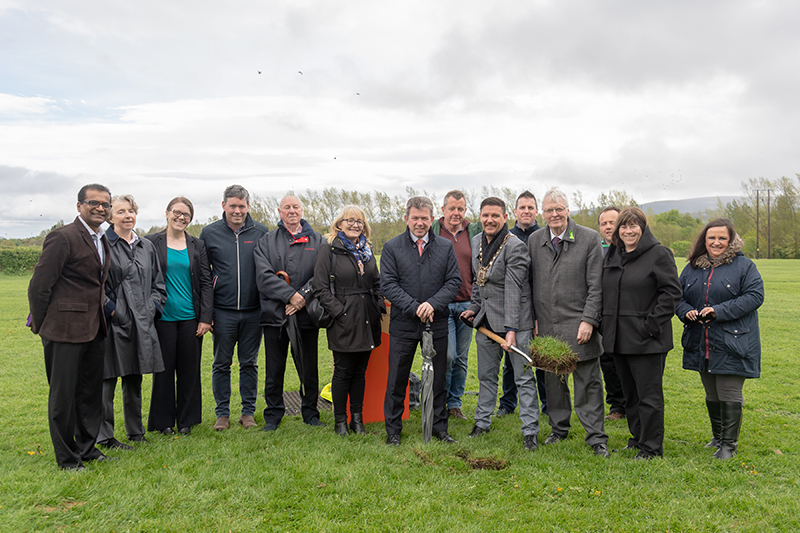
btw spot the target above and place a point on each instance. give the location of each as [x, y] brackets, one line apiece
[769, 233]
[758, 227]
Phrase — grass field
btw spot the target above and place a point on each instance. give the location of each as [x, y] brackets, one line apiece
[307, 479]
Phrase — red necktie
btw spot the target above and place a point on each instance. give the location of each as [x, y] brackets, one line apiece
[420, 246]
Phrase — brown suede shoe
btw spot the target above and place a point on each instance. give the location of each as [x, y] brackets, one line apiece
[456, 413]
[222, 423]
[615, 415]
[247, 421]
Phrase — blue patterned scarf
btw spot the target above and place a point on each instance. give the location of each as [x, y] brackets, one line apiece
[360, 249]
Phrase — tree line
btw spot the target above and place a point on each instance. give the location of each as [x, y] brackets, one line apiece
[766, 217]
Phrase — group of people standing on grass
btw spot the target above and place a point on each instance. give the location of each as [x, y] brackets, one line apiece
[110, 304]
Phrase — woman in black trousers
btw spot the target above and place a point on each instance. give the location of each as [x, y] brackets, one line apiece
[356, 302]
[187, 317]
[640, 293]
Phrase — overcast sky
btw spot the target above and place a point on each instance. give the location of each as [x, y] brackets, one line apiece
[664, 100]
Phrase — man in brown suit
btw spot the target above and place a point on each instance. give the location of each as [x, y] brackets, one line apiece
[66, 299]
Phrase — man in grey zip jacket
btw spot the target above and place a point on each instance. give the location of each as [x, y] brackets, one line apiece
[230, 243]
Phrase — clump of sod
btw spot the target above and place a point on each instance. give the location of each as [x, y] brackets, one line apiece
[552, 354]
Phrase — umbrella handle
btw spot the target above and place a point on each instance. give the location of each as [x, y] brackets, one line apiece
[283, 275]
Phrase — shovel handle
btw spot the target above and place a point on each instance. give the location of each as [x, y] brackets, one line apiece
[500, 340]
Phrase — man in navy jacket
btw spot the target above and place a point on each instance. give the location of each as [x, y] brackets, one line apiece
[420, 277]
[230, 243]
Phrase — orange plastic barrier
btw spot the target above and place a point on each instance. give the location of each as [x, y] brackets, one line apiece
[376, 376]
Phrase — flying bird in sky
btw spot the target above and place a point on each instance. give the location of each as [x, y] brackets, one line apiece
[300, 72]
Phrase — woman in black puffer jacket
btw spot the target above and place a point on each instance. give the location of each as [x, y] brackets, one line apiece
[640, 293]
[722, 291]
[356, 304]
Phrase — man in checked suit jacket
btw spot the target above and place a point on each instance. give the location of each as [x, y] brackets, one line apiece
[66, 300]
[501, 301]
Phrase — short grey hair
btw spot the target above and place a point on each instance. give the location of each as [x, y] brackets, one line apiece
[126, 198]
[236, 191]
[419, 202]
[557, 196]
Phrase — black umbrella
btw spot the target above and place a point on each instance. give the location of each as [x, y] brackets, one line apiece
[293, 330]
[428, 353]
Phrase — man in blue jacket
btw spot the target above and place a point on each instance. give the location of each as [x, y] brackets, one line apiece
[420, 277]
[230, 243]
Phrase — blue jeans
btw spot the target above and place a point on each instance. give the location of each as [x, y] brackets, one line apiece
[458, 341]
[232, 328]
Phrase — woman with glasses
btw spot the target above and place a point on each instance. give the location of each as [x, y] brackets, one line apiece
[186, 318]
[355, 301]
[135, 297]
[640, 293]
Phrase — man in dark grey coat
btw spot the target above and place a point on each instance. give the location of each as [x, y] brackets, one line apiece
[291, 248]
[420, 277]
[566, 268]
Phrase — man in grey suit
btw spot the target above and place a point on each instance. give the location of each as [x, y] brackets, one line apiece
[501, 301]
[566, 267]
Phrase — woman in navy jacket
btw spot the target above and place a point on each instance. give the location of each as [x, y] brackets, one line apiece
[722, 291]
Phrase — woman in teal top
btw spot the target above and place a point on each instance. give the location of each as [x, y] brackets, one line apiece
[187, 317]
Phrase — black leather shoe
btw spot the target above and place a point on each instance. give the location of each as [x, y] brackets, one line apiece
[601, 450]
[477, 431]
[501, 412]
[114, 444]
[643, 456]
[393, 440]
[168, 431]
[530, 443]
[79, 468]
[553, 438]
[357, 424]
[316, 422]
[445, 437]
[101, 459]
[138, 438]
[184, 431]
[269, 427]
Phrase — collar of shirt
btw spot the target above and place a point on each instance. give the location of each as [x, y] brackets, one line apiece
[424, 239]
[561, 236]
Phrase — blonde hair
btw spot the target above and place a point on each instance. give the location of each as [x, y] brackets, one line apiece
[348, 211]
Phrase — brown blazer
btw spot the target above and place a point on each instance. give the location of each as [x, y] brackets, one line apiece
[66, 293]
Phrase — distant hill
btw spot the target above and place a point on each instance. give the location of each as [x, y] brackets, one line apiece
[693, 206]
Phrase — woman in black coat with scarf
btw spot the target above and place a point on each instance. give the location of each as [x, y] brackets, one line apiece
[640, 293]
[356, 304]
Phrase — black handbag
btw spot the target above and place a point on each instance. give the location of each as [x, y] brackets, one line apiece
[318, 315]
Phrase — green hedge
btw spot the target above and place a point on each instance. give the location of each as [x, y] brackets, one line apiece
[681, 248]
[19, 260]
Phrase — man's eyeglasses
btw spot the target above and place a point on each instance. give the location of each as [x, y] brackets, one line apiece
[96, 204]
[354, 222]
[181, 214]
[557, 210]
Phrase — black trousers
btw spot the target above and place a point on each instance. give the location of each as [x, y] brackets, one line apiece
[182, 351]
[615, 398]
[348, 380]
[276, 346]
[401, 357]
[74, 407]
[131, 407]
[642, 382]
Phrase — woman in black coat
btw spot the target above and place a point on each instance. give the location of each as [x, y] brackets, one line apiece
[722, 291]
[640, 293]
[356, 303]
[186, 318]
